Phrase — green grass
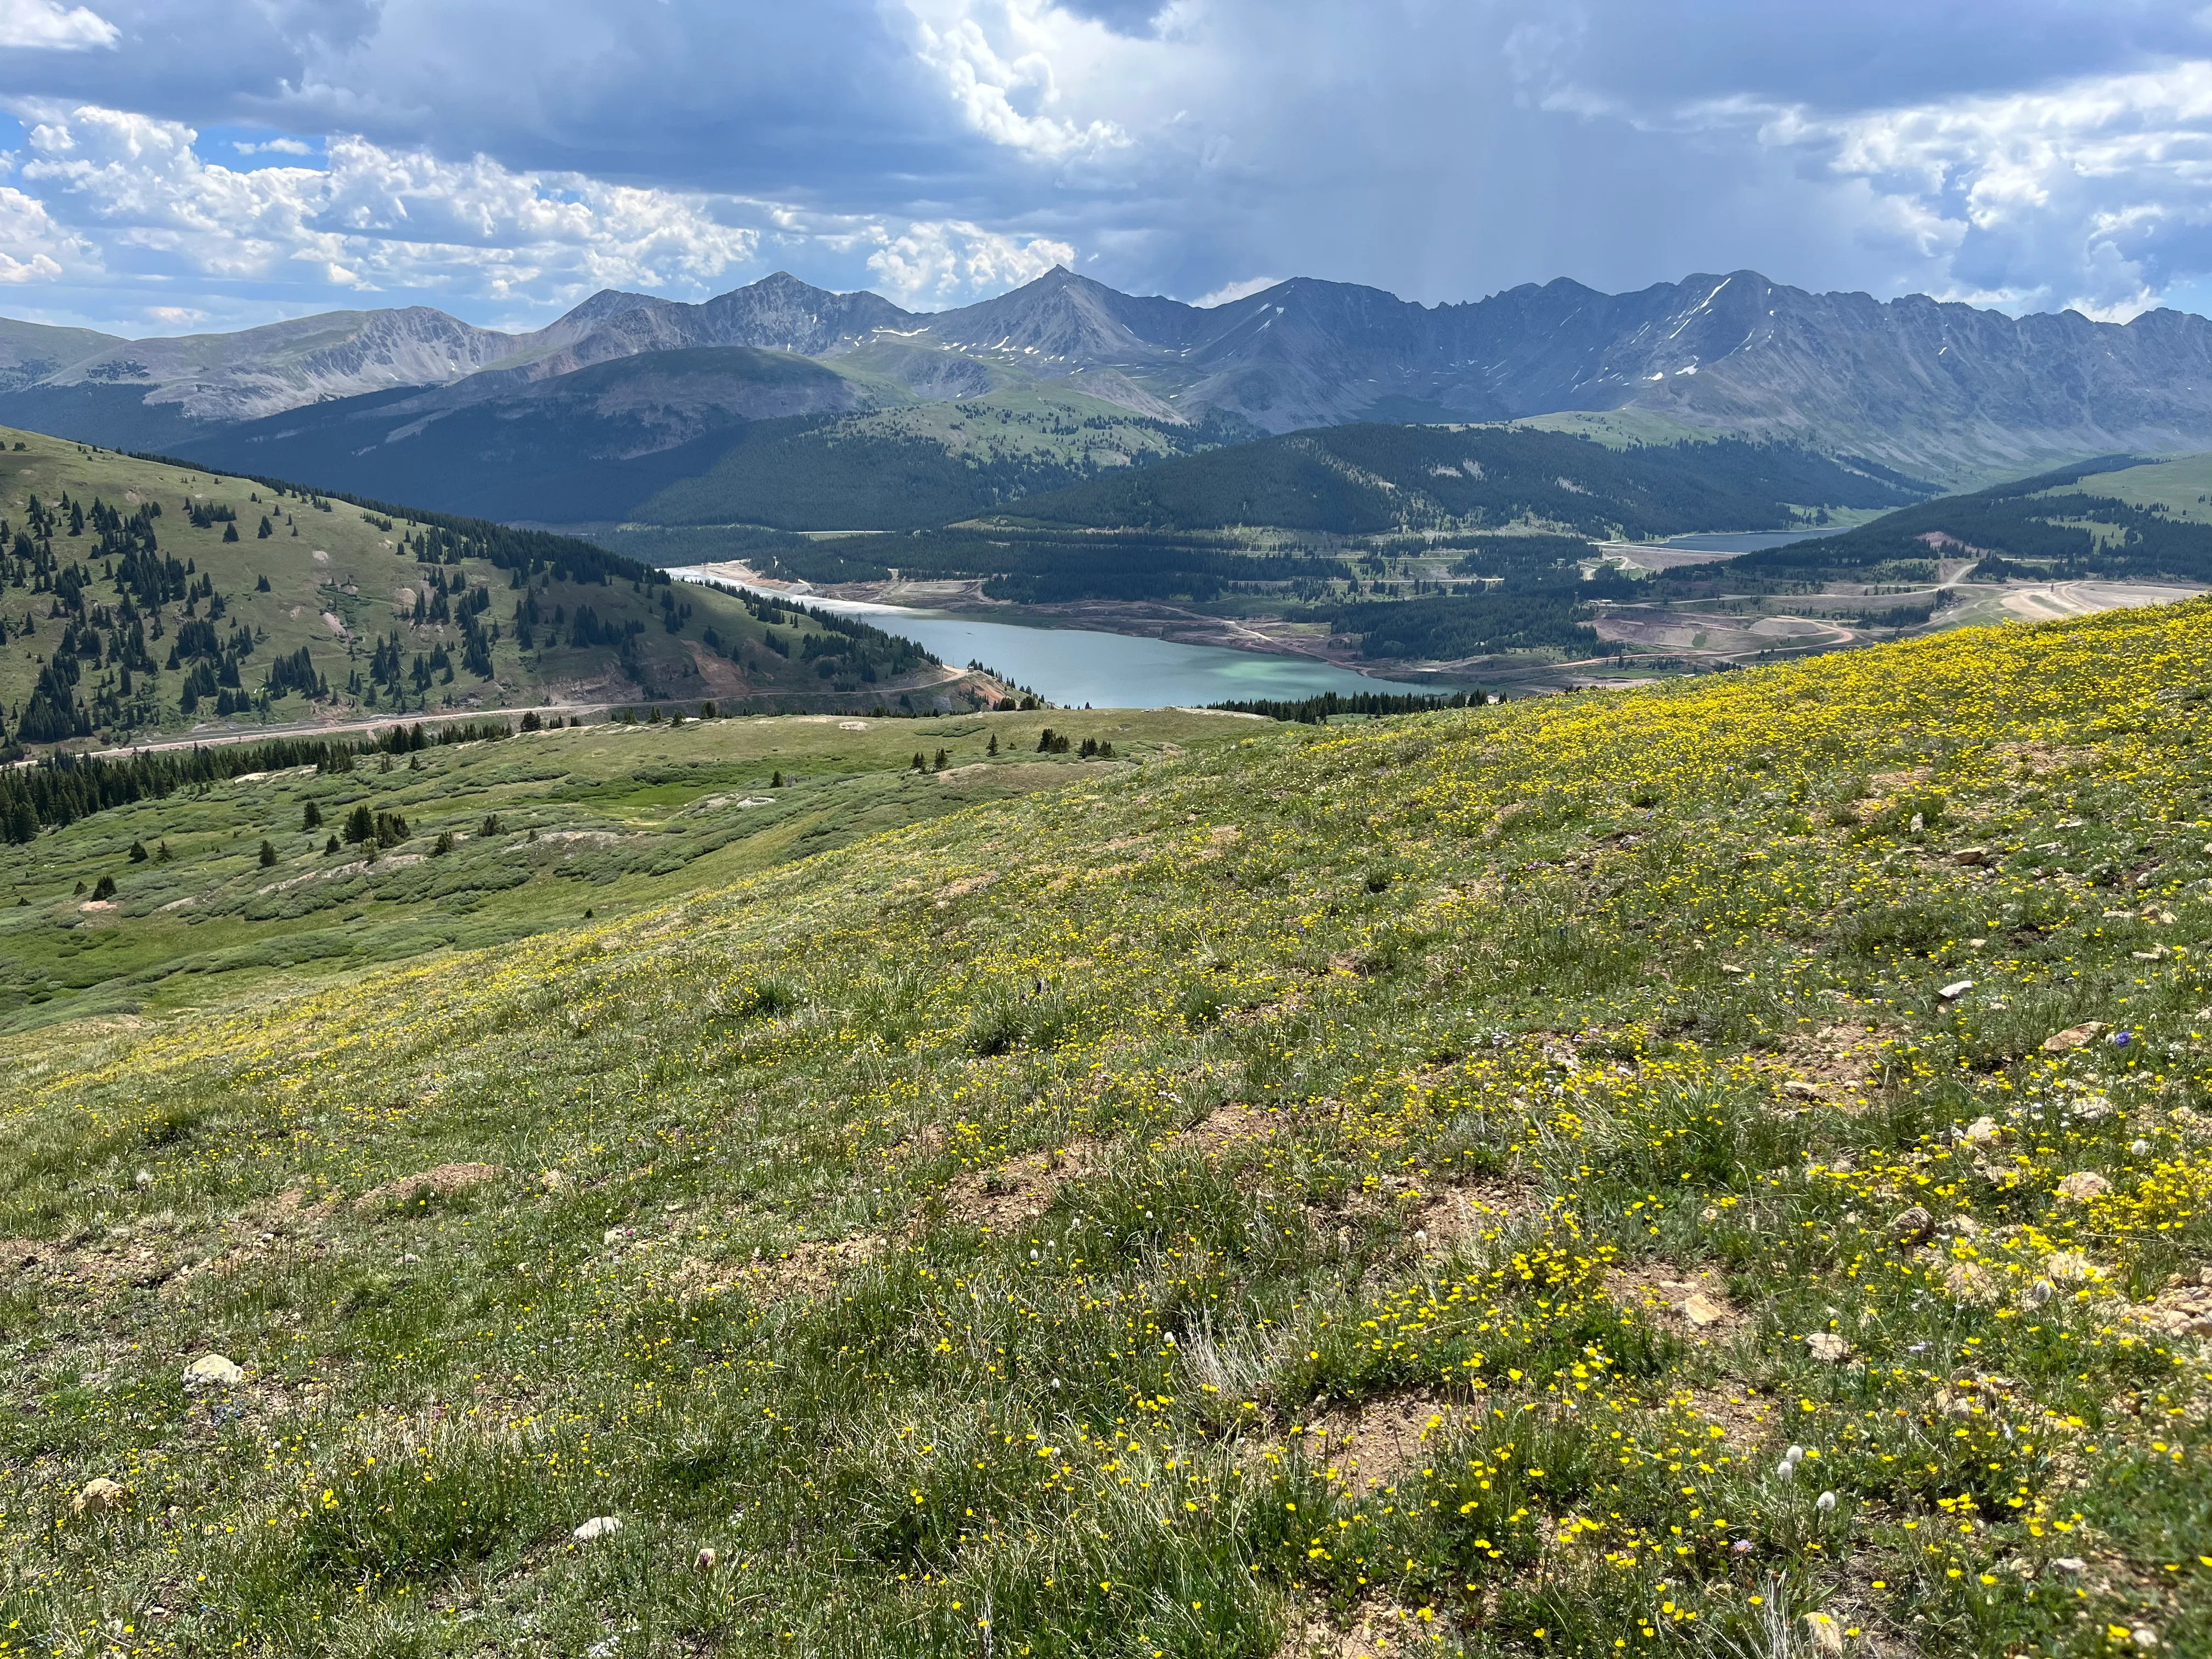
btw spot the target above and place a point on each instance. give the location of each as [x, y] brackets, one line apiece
[2179, 484]
[1358, 1184]
[607, 818]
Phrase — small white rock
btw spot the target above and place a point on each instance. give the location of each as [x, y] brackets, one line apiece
[99, 1497]
[1955, 989]
[2083, 1185]
[2067, 1564]
[1828, 1347]
[599, 1527]
[213, 1370]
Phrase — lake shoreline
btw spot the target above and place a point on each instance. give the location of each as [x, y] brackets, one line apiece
[1175, 659]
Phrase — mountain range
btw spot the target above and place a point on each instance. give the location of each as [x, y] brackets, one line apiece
[628, 394]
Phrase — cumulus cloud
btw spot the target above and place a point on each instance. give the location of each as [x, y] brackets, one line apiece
[32, 248]
[948, 261]
[1001, 62]
[510, 154]
[372, 218]
[406, 222]
[2096, 193]
[1229, 292]
[43, 25]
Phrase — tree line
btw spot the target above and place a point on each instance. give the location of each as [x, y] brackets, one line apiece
[61, 788]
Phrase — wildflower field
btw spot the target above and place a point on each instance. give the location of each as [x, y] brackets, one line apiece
[1718, 1170]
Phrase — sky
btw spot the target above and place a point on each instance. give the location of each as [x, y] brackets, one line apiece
[174, 167]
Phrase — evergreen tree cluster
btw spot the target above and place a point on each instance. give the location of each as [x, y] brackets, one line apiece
[1319, 711]
[847, 650]
[1039, 566]
[61, 788]
[1372, 478]
[63, 703]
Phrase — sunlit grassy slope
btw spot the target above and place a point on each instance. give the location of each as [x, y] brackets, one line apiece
[1405, 1187]
[544, 826]
[2182, 485]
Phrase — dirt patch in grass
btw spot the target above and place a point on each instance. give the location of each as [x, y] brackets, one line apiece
[1388, 1436]
[1694, 1304]
[256, 1232]
[2041, 760]
[441, 1183]
[1455, 1217]
[1379, 1630]
[812, 1269]
[1741, 1414]
[1829, 1060]
[1019, 1190]
[99, 1267]
[966, 884]
[20, 1255]
[288, 1208]
[1227, 1126]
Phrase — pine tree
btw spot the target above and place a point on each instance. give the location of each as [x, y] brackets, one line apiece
[268, 855]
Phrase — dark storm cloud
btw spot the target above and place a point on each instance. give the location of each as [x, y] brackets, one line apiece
[2030, 154]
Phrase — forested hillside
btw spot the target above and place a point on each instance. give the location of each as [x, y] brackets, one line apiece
[1298, 510]
[1357, 480]
[2052, 525]
[140, 596]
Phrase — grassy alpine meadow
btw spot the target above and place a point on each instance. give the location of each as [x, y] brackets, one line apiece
[1721, 1170]
[288, 875]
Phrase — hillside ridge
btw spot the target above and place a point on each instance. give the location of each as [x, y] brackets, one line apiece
[1732, 1158]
